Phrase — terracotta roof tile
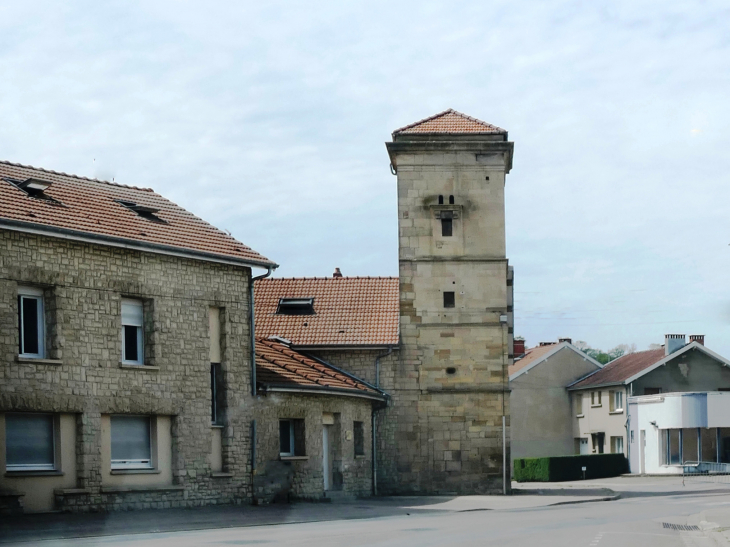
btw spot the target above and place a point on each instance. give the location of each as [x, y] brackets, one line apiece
[450, 122]
[277, 364]
[349, 311]
[88, 206]
[623, 368]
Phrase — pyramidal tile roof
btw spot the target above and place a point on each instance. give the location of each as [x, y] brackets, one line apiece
[348, 311]
[450, 122]
[277, 365]
[105, 212]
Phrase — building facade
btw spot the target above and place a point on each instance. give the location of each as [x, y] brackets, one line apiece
[106, 294]
[450, 399]
[600, 401]
[541, 409]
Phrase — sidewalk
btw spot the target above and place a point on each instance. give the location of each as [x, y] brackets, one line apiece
[34, 528]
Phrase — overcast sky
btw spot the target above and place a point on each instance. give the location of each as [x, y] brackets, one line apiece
[269, 119]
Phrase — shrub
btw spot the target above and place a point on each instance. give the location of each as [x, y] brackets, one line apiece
[569, 468]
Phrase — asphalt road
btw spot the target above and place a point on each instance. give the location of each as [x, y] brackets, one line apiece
[637, 520]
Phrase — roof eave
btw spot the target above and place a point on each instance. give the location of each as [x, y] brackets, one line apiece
[320, 390]
[119, 242]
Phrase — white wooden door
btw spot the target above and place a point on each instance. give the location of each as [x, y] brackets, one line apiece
[326, 462]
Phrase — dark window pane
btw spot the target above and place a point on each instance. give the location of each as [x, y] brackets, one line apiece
[447, 227]
[449, 300]
[130, 438]
[451, 200]
[29, 327]
[217, 392]
[130, 343]
[285, 437]
[441, 200]
[359, 433]
[29, 439]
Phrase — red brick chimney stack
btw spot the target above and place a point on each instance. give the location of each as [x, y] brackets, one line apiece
[518, 347]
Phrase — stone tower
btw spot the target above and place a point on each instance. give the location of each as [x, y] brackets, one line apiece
[450, 389]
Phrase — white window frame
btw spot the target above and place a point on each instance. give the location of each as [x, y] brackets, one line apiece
[618, 401]
[579, 404]
[615, 441]
[136, 321]
[34, 466]
[292, 450]
[139, 463]
[32, 293]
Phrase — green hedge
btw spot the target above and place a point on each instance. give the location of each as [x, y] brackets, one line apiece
[569, 468]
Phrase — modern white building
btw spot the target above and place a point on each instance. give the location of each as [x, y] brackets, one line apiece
[669, 430]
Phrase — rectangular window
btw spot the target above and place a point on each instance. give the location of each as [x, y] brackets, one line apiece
[29, 442]
[447, 227]
[286, 438]
[618, 401]
[132, 332]
[449, 300]
[216, 394]
[291, 438]
[617, 445]
[579, 404]
[131, 442]
[595, 398]
[359, 434]
[31, 322]
[673, 446]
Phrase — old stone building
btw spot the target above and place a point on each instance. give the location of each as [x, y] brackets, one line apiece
[120, 311]
[437, 339]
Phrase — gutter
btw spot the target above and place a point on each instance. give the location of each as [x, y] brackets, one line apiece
[253, 328]
[325, 391]
[135, 245]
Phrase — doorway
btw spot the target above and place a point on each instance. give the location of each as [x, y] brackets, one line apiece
[327, 456]
[642, 451]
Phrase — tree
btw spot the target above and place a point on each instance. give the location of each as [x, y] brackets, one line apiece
[604, 357]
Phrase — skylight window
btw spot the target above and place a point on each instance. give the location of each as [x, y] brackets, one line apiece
[35, 188]
[295, 306]
[142, 210]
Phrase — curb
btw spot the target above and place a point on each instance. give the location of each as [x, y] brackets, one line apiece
[608, 498]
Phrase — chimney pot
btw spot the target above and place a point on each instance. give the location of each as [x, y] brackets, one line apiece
[673, 342]
[561, 340]
[337, 273]
[699, 338]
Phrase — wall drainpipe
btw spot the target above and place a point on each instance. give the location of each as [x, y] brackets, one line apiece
[373, 426]
[253, 377]
[253, 329]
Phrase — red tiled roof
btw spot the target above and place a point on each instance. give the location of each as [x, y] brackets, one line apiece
[86, 206]
[278, 365]
[623, 368]
[450, 122]
[349, 311]
[531, 355]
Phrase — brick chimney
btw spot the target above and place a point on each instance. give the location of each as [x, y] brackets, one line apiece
[699, 338]
[547, 344]
[673, 342]
[518, 347]
[561, 340]
[337, 273]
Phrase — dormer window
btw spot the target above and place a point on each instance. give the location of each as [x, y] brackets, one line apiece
[295, 306]
[144, 211]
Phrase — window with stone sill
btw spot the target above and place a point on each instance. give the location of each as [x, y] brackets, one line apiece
[30, 442]
[138, 347]
[31, 323]
[359, 434]
[131, 442]
[291, 438]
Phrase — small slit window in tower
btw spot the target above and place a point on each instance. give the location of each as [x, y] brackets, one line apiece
[295, 306]
[451, 200]
[441, 200]
[449, 299]
[447, 227]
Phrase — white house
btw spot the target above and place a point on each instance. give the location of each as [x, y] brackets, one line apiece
[671, 429]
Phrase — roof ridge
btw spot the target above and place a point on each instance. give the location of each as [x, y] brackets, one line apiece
[80, 177]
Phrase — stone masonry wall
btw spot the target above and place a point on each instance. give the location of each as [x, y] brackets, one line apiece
[280, 479]
[83, 286]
